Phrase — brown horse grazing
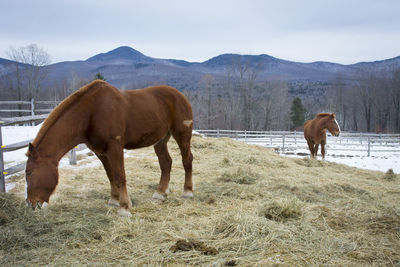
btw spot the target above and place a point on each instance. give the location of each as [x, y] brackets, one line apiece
[315, 131]
[108, 120]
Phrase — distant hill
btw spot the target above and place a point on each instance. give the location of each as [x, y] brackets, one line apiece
[7, 66]
[126, 67]
[120, 56]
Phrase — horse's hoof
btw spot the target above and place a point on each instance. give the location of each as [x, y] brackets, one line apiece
[187, 194]
[124, 212]
[113, 203]
[42, 205]
[158, 196]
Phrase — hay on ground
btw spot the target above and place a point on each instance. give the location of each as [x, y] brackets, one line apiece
[251, 206]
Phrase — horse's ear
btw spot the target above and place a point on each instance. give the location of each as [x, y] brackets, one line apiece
[334, 115]
[32, 152]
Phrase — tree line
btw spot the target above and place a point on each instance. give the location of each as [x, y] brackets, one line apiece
[370, 102]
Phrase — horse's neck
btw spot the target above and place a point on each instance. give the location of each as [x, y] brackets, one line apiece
[323, 125]
[62, 136]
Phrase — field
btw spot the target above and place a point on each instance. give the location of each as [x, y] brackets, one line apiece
[252, 207]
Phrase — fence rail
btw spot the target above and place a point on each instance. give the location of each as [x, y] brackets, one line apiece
[33, 107]
[287, 141]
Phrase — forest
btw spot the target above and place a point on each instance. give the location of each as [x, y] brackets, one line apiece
[368, 103]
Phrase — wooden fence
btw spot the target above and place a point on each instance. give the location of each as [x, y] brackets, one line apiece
[287, 142]
[12, 108]
[12, 147]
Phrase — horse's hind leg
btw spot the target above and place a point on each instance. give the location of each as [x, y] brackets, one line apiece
[165, 161]
[316, 150]
[183, 140]
[114, 200]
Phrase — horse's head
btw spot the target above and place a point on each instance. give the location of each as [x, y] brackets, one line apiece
[41, 178]
[333, 126]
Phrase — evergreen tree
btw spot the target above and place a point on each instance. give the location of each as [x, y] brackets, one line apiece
[297, 113]
[99, 76]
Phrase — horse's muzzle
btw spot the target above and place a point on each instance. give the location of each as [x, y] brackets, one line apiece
[30, 205]
[38, 204]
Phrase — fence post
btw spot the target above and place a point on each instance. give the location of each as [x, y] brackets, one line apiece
[72, 156]
[33, 110]
[32, 107]
[245, 135]
[283, 143]
[270, 135]
[369, 147]
[218, 133]
[2, 175]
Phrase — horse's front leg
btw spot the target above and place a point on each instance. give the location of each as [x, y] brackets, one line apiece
[114, 199]
[311, 148]
[323, 149]
[115, 156]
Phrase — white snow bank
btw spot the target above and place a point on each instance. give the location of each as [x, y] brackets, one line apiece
[376, 163]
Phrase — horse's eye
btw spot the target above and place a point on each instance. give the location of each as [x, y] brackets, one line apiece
[28, 174]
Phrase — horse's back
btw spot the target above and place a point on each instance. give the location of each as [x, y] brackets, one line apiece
[162, 100]
[130, 104]
[168, 95]
[155, 111]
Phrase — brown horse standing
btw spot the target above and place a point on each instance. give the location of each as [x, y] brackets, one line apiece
[315, 131]
[108, 120]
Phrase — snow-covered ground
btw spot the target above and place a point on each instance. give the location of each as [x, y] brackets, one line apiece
[377, 161]
[382, 157]
[345, 153]
[15, 134]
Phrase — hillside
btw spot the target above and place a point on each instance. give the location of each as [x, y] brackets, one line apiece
[127, 67]
[251, 207]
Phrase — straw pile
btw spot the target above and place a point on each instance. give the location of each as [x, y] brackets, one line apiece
[251, 207]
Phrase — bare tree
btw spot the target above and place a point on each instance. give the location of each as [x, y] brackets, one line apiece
[206, 85]
[365, 89]
[275, 105]
[395, 96]
[337, 97]
[29, 71]
[246, 77]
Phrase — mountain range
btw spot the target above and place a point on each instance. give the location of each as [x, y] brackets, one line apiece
[126, 67]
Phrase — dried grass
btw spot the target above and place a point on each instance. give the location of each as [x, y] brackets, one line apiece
[390, 175]
[251, 208]
[281, 210]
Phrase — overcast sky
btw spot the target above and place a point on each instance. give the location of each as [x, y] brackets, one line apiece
[341, 31]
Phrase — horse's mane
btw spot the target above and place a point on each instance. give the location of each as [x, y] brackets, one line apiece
[324, 114]
[59, 110]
